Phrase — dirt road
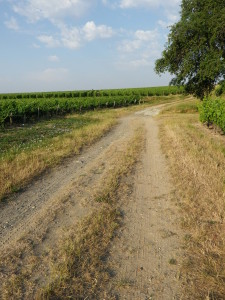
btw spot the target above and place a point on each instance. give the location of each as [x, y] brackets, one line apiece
[146, 257]
[146, 254]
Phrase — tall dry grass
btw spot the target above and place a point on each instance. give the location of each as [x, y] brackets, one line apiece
[16, 172]
[196, 157]
[80, 268]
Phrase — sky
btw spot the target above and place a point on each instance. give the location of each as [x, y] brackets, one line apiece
[56, 45]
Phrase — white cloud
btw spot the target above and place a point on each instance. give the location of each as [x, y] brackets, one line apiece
[140, 50]
[163, 24]
[53, 58]
[70, 37]
[50, 75]
[129, 4]
[12, 24]
[34, 45]
[140, 39]
[172, 18]
[35, 10]
[146, 36]
[91, 31]
[129, 46]
[49, 41]
[148, 3]
[75, 37]
[140, 63]
[110, 4]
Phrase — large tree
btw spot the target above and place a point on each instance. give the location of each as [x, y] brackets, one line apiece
[195, 51]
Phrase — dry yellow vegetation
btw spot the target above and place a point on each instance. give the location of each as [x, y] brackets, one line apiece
[196, 157]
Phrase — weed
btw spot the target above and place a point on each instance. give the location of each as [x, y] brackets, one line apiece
[173, 261]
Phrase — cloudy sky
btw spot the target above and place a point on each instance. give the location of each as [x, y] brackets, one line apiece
[51, 45]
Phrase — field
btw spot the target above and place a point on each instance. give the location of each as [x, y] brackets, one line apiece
[148, 91]
[116, 201]
[43, 141]
[22, 108]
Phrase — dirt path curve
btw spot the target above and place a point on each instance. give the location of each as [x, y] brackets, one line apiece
[26, 211]
[146, 256]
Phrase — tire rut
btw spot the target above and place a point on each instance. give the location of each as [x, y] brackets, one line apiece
[147, 255]
[23, 211]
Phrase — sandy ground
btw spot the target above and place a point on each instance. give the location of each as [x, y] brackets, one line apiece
[145, 256]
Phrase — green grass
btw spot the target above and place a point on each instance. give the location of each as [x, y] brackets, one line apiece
[26, 151]
[190, 106]
[37, 135]
[144, 91]
[172, 261]
[33, 136]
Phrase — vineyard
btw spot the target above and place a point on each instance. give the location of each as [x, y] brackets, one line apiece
[20, 108]
[212, 111]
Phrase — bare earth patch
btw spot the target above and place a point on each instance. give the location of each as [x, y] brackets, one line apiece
[146, 256]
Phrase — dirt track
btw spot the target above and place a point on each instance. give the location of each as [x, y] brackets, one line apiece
[146, 257]
[75, 177]
[143, 254]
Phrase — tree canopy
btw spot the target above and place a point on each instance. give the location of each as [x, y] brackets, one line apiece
[195, 51]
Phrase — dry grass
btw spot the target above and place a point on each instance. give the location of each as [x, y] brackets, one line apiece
[81, 272]
[124, 165]
[80, 266]
[79, 260]
[197, 162]
[16, 172]
[185, 105]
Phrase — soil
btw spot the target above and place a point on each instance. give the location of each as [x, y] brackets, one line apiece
[146, 255]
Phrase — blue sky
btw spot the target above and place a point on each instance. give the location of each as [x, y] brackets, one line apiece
[82, 44]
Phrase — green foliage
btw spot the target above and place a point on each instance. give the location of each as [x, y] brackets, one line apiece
[195, 52]
[21, 108]
[149, 91]
[24, 107]
[32, 136]
[220, 89]
[212, 111]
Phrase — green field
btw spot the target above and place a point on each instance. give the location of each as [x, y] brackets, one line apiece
[22, 108]
[146, 91]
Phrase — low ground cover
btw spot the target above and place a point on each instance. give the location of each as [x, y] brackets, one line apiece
[196, 159]
[27, 150]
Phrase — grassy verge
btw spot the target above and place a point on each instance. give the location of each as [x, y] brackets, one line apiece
[197, 162]
[190, 106]
[37, 147]
[27, 151]
[80, 269]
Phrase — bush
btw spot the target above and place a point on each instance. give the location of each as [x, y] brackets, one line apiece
[212, 111]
